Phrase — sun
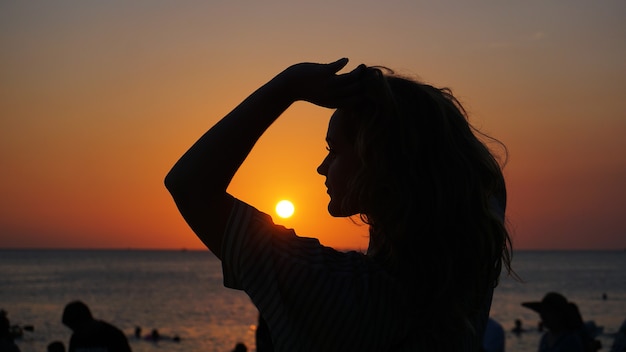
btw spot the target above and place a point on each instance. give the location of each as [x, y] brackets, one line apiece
[284, 209]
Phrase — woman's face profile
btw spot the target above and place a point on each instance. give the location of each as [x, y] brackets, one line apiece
[339, 166]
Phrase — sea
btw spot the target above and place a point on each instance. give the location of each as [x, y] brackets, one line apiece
[180, 293]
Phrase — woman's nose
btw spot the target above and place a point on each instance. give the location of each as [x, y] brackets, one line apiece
[323, 167]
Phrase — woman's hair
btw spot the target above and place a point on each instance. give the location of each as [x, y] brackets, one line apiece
[434, 197]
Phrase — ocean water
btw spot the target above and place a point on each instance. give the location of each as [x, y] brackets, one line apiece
[180, 293]
[581, 276]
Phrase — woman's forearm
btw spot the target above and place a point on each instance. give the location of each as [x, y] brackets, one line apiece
[209, 165]
[198, 181]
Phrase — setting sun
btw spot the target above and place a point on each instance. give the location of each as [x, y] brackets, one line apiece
[284, 208]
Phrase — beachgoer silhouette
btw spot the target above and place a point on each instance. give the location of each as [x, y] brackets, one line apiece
[559, 318]
[518, 329]
[137, 332]
[240, 347]
[494, 340]
[7, 342]
[403, 157]
[263, 337]
[619, 341]
[576, 323]
[89, 333]
[154, 335]
[56, 346]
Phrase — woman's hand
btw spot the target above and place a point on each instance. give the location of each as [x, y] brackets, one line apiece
[321, 85]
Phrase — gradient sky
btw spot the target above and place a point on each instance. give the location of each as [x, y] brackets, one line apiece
[98, 99]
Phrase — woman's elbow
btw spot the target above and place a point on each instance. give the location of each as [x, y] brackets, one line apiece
[174, 183]
[189, 189]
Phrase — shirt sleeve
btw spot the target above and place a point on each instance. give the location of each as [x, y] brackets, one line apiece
[236, 228]
[309, 294]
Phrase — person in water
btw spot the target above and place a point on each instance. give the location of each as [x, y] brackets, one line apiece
[404, 158]
[55, 346]
[564, 324]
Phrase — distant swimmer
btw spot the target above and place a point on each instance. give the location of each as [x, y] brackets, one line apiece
[240, 347]
[138, 332]
[619, 343]
[518, 329]
[155, 336]
[56, 346]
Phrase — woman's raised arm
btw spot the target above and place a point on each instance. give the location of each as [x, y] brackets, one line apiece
[199, 179]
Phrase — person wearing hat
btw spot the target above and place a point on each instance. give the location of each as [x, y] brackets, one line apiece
[562, 320]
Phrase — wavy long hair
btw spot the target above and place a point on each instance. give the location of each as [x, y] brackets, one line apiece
[434, 196]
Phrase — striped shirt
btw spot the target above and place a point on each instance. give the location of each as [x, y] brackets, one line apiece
[313, 297]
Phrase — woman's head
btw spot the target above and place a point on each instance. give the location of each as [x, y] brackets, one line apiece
[431, 191]
[340, 165]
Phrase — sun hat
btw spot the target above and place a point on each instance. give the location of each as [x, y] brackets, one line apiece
[552, 301]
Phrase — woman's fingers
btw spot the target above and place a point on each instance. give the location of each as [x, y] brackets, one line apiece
[342, 90]
[338, 65]
[321, 85]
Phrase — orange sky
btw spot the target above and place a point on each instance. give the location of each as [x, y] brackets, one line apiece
[98, 100]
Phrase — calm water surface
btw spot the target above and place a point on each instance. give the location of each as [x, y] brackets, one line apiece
[181, 293]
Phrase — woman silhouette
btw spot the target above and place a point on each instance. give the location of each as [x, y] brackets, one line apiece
[403, 157]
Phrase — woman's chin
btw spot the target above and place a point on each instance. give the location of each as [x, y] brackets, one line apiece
[337, 212]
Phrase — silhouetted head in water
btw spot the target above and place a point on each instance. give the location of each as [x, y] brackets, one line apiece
[240, 347]
[56, 346]
[5, 325]
[76, 314]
